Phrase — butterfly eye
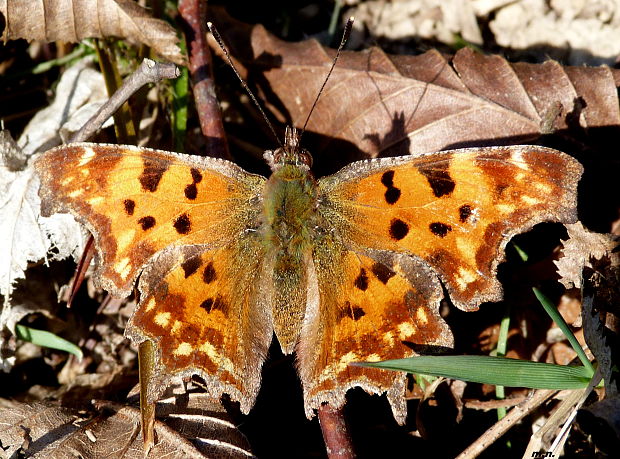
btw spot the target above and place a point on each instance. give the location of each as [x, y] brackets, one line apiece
[305, 158]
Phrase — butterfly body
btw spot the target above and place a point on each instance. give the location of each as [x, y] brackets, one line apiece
[346, 268]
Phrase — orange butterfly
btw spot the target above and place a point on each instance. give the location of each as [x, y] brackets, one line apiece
[346, 268]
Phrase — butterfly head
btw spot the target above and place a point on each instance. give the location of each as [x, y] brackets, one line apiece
[290, 153]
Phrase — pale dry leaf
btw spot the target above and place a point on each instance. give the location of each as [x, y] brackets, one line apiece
[582, 246]
[43, 430]
[74, 20]
[589, 31]
[79, 88]
[25, 236]
[429, 19]
[205, 421]
[34, 430]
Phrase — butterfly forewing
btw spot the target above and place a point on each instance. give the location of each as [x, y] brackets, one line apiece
[137, 201]
[455, 210]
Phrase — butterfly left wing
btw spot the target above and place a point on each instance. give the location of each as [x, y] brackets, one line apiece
[390, 229]
[454, 210]
[365, 307]
[185, 225]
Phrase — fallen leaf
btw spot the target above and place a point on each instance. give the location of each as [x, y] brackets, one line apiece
[387, 105]
[25, 236]
[582, 246]
[109, 429]
[73, 20]
[80, 90]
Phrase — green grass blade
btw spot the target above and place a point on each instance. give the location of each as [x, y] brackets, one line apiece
[559, 320]
[47, 339]
[179, 106]
[492, 370]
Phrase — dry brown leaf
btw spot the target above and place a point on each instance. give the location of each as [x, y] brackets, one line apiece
[581, 246]
[394, 105]
[44, 430]
[74, 20]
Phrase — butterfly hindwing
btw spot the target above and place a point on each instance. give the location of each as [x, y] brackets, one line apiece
[205, 310]
[365, 309]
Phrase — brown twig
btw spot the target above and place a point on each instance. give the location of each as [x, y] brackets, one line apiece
[502, 426]
[148, 72]
[335, 433]
[80, 270]
[194, 13]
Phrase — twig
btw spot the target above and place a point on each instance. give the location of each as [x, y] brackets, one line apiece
[194, 13]
[80, 270]
[335, 433]
[501, 427]
[148, 72]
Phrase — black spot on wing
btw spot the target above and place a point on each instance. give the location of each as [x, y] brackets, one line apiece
[210, 304]
[152, 173]
[196, 175]
[351, 311]
[191, 191]
[382, 272]
[464, 212]
[392, 193]
[440, 229]
[439, 179]
[361, 281]
[398, 229]
[147, 222]
[130, 206]
[209, 274]
[191, 265]
[182, 224]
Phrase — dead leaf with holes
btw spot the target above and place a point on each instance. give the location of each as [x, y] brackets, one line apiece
[581, 248]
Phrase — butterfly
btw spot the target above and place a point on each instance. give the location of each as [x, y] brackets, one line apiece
[349, 267]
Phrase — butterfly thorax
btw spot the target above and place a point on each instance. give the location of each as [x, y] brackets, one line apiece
[289, 201]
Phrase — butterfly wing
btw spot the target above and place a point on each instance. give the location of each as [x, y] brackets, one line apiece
[205, 311]
[136, 201]
[366, 307]
[397, 225]
[455, 210]
[184, 223]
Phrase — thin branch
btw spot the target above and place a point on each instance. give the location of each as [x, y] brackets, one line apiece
[148, 72]
[200, 67]
[335, 433]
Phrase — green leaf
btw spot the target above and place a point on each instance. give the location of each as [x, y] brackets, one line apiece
[47, 339]
[492, 370]
[561, 323]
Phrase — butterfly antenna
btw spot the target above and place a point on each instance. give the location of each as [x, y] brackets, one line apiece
[345, 38]
[220, 42]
